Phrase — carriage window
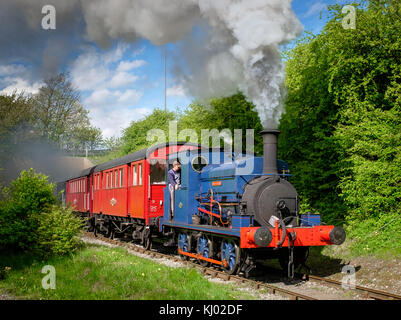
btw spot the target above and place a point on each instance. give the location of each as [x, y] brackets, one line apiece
[158, 172]
[140, 174]
[121, 177]
[116, 179]
[107, 181]
[135, 176]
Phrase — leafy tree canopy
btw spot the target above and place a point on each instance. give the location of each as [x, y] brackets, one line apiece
[342, 128]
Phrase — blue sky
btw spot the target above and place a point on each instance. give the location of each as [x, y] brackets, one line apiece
[126, 82]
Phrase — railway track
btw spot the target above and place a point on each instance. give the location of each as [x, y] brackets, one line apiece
[367, 293]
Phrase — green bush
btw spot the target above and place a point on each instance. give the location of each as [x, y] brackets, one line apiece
[379, 235]
[28, 196]
[30, 220]
[341, 132]
[58, 232]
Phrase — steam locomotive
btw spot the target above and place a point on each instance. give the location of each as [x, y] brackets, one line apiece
[230, 210]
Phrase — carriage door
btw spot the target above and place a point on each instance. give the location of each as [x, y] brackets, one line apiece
[157, 183]
[181, 195]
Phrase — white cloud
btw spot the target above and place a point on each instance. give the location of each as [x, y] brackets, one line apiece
[130, 96]
[93, 70]
[107, 81]
[315, 8]
[176, 91]
[129, 65]
[122, 79]
[112, 121]
[89, 72]
[16, 77]
[21, 85]
[11, 69]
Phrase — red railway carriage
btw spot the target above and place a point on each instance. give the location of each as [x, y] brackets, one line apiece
[126, 189]
[78, 192]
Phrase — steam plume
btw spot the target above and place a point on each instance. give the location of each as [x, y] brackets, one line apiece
[225, 45]
[239, 48]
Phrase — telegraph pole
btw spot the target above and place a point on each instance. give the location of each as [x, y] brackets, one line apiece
[165, 79]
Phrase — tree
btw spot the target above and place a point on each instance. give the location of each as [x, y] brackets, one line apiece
[231, 113]
[16, 124]
[135, 136]
[22, 202]
[85, 138]
[58, 110]
[341, 130]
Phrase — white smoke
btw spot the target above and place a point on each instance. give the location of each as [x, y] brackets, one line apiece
[225, 45]
[238, 48]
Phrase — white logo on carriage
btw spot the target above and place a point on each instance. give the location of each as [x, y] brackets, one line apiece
[348, 281]
[49, 280]
[113, 201]
[75, 201]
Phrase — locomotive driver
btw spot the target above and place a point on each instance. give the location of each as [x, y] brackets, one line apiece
[174, 183]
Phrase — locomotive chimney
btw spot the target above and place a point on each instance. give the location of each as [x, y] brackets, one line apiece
[270, 137]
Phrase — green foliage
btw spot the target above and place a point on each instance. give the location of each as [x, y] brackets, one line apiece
[230, 113]
[57, 232]
[135, 136]
[16, 122]
[342, 129]
[30, 220]
[380, 235]
[54, 115]
[23, 201]
[110, 273]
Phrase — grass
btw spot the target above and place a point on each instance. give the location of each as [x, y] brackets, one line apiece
[97, 272]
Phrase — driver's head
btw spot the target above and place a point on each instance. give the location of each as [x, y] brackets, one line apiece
[176, 166]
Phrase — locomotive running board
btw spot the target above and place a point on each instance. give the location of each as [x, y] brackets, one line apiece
[198, 256]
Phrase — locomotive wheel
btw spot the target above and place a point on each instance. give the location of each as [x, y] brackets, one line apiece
[231, 253]
[184, 244]
[204, 248]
